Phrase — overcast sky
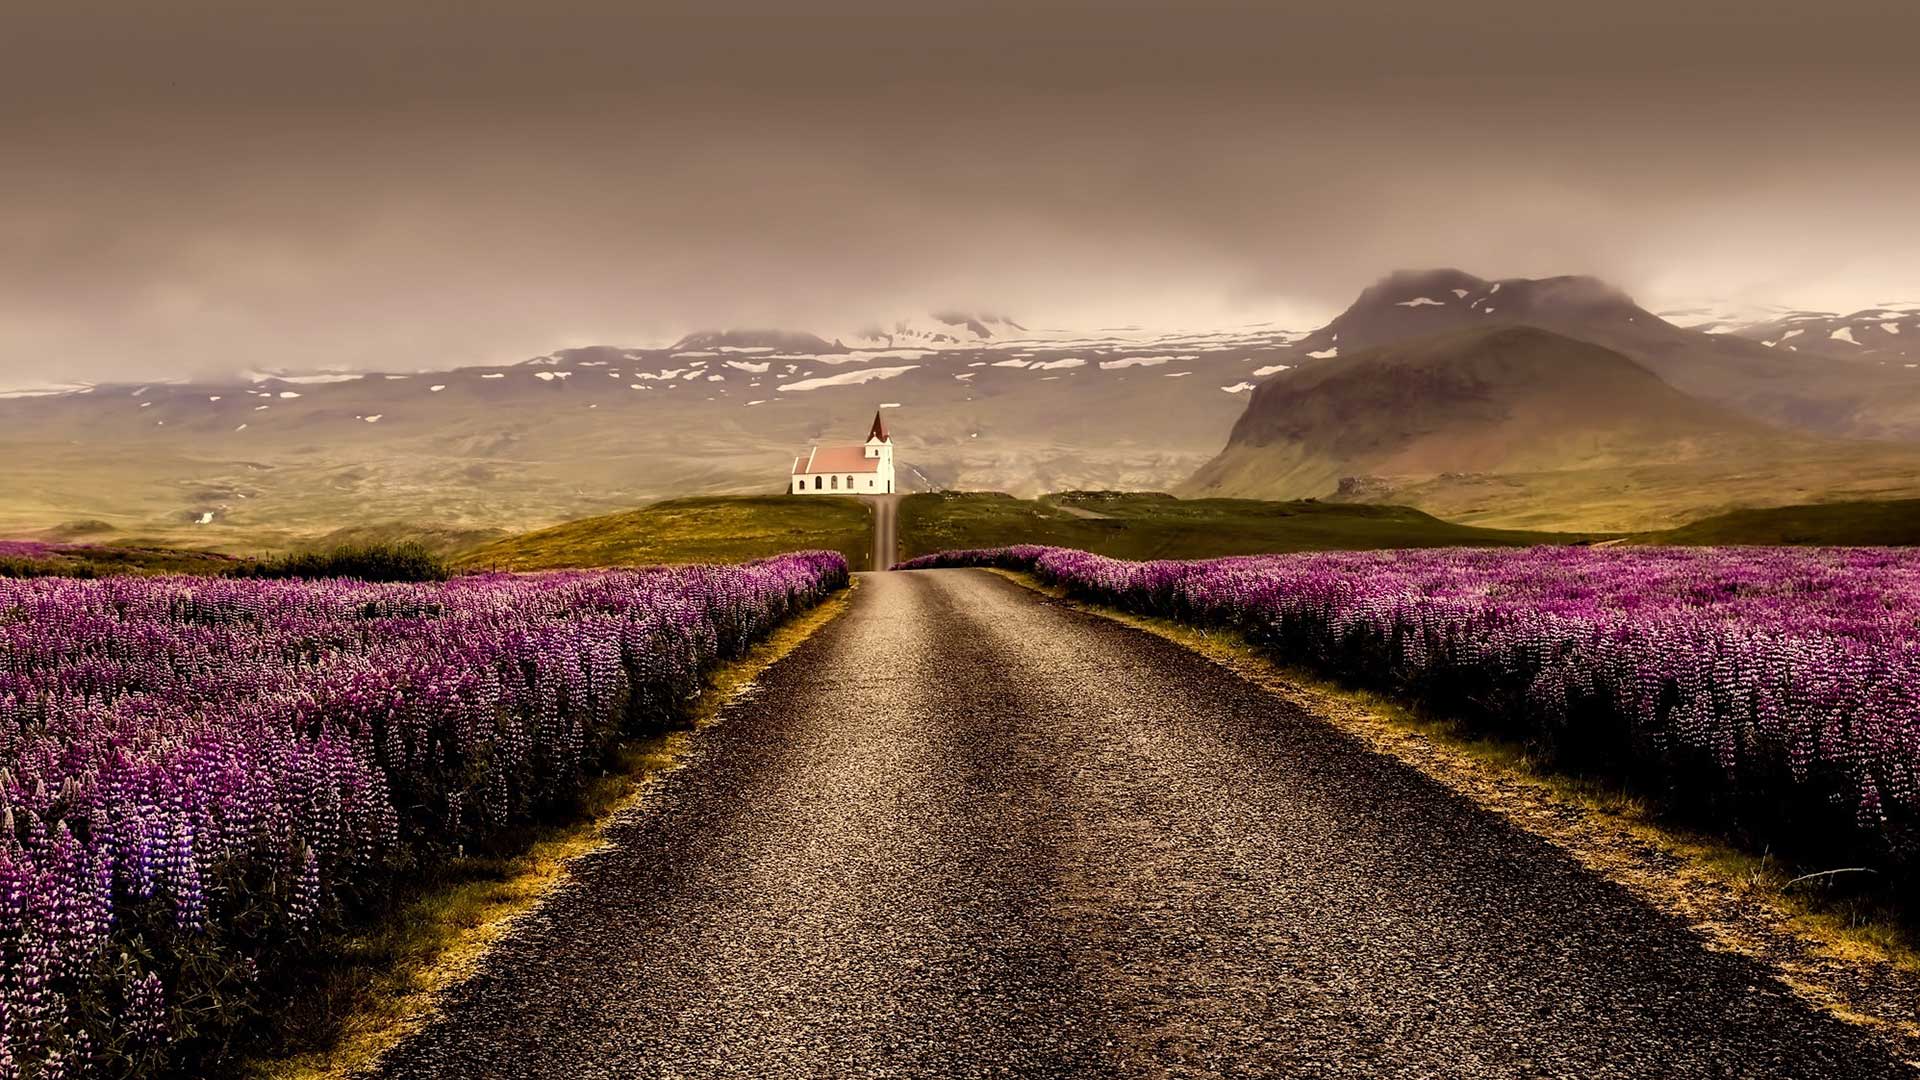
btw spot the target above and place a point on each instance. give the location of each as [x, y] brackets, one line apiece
[235, 185]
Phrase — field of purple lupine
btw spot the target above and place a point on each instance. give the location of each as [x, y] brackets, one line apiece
[201, 779]
[1775, 691]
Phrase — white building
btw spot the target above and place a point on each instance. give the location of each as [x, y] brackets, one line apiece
[847, 470]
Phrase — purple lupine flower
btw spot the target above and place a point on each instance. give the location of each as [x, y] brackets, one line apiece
[176, 737]
[1793, 673]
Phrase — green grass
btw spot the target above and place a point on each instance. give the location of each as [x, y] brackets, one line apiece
[1153, 526]
[101, 561]
[1894, 522]
[436, 539]
[404, 561]
[704, 529]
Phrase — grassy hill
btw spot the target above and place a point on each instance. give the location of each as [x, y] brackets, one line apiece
[1132, 525]
[102, 560]
[703, 529]
[1894, 522]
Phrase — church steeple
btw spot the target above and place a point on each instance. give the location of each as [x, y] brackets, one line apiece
[879, 430]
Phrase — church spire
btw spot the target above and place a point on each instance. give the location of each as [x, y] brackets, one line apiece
[879, 429]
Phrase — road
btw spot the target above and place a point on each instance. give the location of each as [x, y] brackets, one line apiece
[886, 517]
[966, 832]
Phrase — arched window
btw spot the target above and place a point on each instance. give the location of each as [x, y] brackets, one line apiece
[816, 483]
[836, 483]
[849, 483]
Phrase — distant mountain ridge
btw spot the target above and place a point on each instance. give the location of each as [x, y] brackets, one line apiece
[1561, 400]
[585, 430]
[242, 460]
[1858, 399]
[788, 341]
[940, 329]
[1888, 334]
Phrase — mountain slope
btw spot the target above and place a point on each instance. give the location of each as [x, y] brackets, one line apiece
[1519, 426]
[1888, 334]
[1853, 398]
[1495, 399]
[942, 329]
[271, 460]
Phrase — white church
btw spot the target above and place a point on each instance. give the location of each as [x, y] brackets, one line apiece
[847, 470]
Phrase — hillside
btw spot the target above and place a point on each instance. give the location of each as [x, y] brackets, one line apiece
[1522, 427]
[273, 460]
[1888, 335]
[1144, 525]
[686, 531]
[1838, 524]
[1855, 397]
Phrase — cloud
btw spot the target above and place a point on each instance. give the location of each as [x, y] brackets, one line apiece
[220, 186]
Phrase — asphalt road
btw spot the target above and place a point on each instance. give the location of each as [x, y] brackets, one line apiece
[966, 832]
[886, 518]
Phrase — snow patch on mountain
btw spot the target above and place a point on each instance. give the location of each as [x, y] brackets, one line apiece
[45, 391]
[319, 378]
[849, 378]
[939, 330]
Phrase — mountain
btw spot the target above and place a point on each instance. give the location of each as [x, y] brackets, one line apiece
[1518, 425]
[944, 329]
[1888, 335]
[1485, 399]
[791, 341]
[269, 458]
[1719, 317]
[1417, 303]
[1859, 398]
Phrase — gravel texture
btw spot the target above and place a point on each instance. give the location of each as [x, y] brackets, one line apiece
[1036, 843]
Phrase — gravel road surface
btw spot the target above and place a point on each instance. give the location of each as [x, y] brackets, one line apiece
[966, 832]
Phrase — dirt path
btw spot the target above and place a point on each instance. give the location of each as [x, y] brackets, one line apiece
[966, 832]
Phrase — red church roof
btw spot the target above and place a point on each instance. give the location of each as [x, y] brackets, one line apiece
[879, 429]
[835, 459]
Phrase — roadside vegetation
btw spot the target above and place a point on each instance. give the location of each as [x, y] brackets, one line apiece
[368, 562]
[32, 558]
[221, 786]
[1763, 695]
[706, 529]
[377, 985]
[1148, 525]
[1894, 522]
